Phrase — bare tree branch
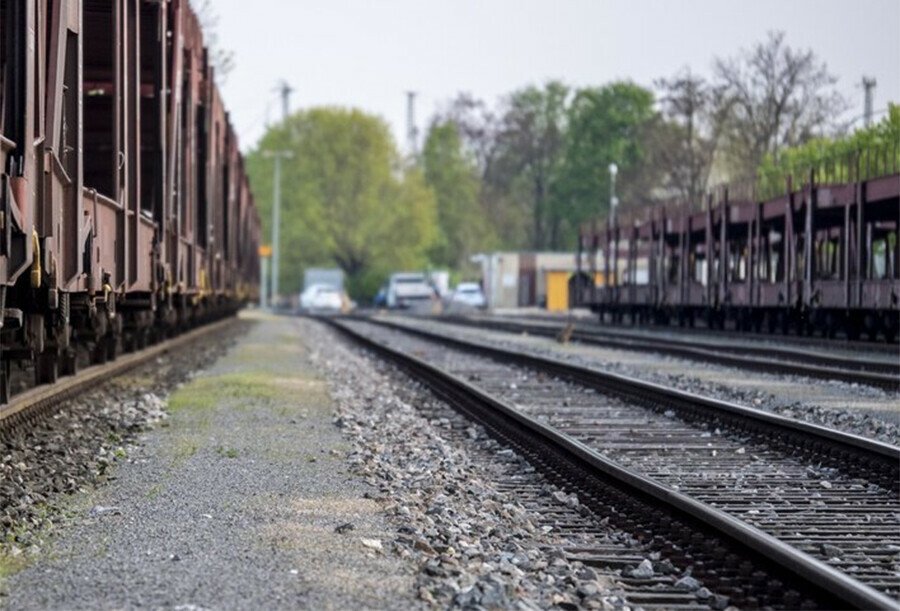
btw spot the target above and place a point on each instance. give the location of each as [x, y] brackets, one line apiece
[221, 59]
[778, 97]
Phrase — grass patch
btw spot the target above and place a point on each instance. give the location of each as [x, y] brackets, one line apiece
[226, 452]
[260, 381]
[205, 393]
[195, 397]
[185, 447]
[14, 555]
[10, 564]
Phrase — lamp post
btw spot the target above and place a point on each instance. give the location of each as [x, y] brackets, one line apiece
[613, 200]
[612, 264]
[276, 216]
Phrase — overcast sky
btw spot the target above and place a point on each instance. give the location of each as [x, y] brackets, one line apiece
[367, 54]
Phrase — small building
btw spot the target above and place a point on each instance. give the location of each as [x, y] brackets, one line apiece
[533, 279]
[499, 278]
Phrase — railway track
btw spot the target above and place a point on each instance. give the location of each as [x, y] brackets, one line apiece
[814, 509]
[37, 402]
[770, 358]
[803, 342]
[580, 535]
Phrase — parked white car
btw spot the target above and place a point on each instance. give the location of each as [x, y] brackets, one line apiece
[322, 298]
[410, 291]
[468, 294]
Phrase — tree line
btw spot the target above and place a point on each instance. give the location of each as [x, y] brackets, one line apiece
[539, 159]
[527, 171]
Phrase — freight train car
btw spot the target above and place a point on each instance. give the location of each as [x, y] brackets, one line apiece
[125, 211]
[819, 258]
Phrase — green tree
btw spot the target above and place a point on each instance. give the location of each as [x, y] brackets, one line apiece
[532, 136]
[605, 125]
[344, 200]
[453, 175]
[529, 153]
[505, 216]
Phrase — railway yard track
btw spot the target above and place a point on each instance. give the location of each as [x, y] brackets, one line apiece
[179, 429]
[879, 370]
[764, 510]
[803, 342]
[38, 402]
[600, 547]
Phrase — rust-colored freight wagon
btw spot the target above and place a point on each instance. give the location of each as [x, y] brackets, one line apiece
[126, 214]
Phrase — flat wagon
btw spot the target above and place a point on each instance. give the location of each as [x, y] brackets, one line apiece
[819, 256]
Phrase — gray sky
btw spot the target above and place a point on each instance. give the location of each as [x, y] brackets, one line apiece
[366, 54]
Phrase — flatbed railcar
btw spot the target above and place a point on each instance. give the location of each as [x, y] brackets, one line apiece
[821, 257]
[125, 212]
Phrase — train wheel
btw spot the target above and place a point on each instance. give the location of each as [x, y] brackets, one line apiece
[130, 341]
[5, 370]
[98, 352]
[68, 363]
[852, 326]
[757, 322]
[112, 347]
[830, 325]
[46, 368]
[870, 326]
[889, 324]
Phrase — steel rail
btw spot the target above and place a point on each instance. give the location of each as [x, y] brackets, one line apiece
[37, 401]
[833, 587]
[861, 457]
[769, 359]
[767, 350]
[801, 342]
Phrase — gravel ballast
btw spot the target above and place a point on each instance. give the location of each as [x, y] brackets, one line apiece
[299, 471]
[241, 501]
[482, 527]
[75, 447]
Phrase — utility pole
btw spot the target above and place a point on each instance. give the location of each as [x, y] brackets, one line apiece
[265, 253]
[868, 84]
[411, 131]
[276, 217]
[285, 91]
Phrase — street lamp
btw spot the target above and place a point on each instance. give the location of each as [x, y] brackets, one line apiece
[612, 241]
[276, 215]
[613, 200]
